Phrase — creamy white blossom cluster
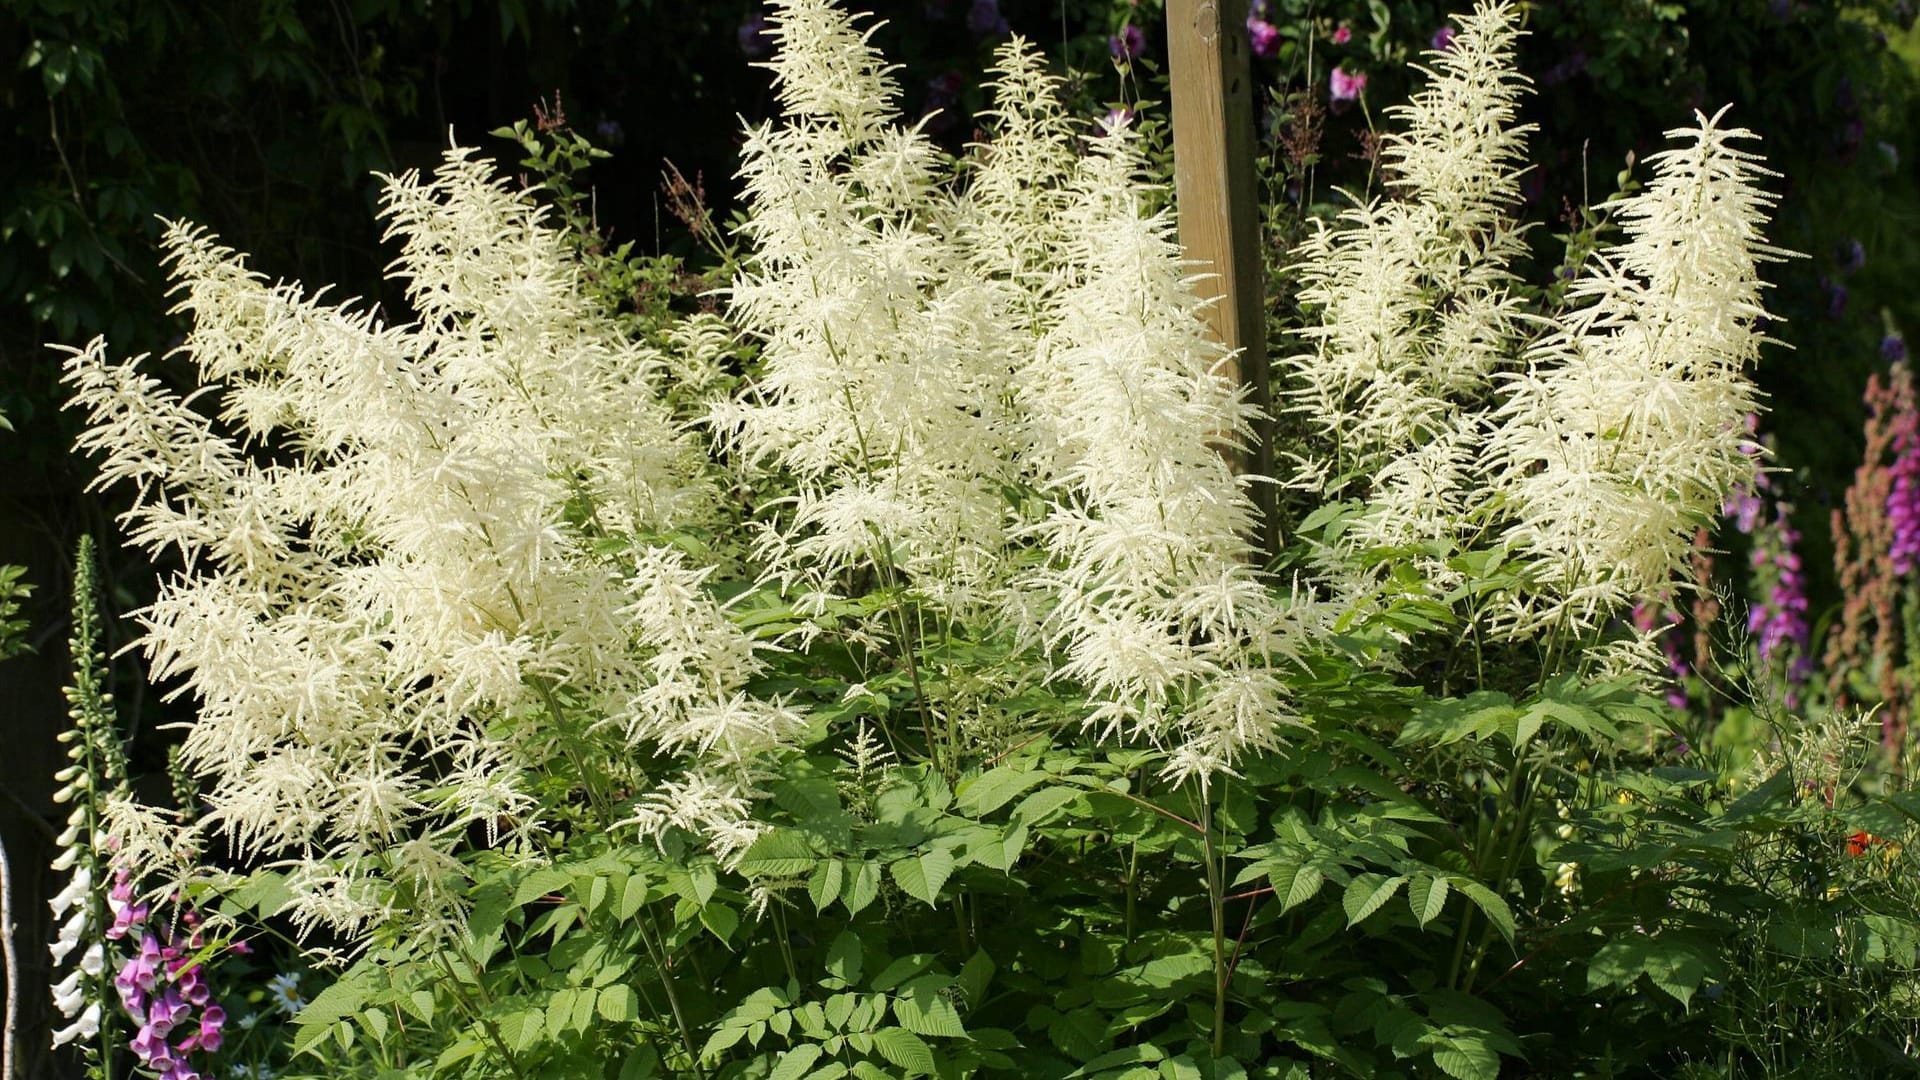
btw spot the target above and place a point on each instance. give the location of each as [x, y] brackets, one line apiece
[1415, 306]
[881, 392]
[406, 549]
[959, 366]
[1158, 604]
[1613, 432]
[1627, 430]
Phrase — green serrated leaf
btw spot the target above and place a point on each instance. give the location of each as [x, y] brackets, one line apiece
[844, 957]
[862, 886]
[1367, 893]
[521, 1028]
[1044, 804]
[721, 921]
[794, 1063]
[906, 1050]
[996, 787]
[1465, 1058]
[823, 887]
[920, 876]
[538, 884]
[1427, 896]
[923, 1009]
[328, 1007]
[618, 1004]
[1494, 908]
[974, 977]
[560, 1012]
[1295, 883]
[584, 1005]
[633, 896]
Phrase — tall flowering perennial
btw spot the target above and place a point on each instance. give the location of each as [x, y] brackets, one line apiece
[1414, 302]
[1156, 601]
[856, 294]
[1903, 499]
[164, 989]
[431, 585]
[1875, 522]
[88, 913]
[933, 343]
[1779, 621]
[1627, 429]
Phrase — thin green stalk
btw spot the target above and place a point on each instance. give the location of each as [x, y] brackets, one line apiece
[487, 1025]
[786, 946]
[1216, 909]
[659, 957]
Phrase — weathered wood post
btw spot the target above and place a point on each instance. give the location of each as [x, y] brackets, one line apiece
[1213, 146]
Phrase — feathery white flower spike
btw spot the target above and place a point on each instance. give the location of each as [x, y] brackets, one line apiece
[1627, 429]
[1415, 312]
[375, 619]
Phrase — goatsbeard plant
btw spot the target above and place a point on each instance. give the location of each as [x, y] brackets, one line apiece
[439, 597]
[1466, 429]
[934, 343]
[424, 562]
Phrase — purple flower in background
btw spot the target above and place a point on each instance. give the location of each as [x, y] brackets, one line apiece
[610, 132]
[1836, 297]
[984, 19]
[1903, 501]
[1347, 87]
[1745, 507]
[1649, 617]
[1850, 256]
[1779, 621]
[1264, 36]
[1573, 64]
[753, 36]
[1116, 119]
[1893, 348]
[943, 90]
[1128, 44]
[1442, 39]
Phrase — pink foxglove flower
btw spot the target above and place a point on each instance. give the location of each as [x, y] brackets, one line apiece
[1346, 85]
[1264, 37]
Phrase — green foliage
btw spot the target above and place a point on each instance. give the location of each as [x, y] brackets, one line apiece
[1479, 858]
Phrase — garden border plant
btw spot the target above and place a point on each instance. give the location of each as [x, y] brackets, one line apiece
[602, 703]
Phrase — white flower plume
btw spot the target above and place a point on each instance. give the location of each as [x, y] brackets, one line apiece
[1415, 312]
[374, 617]
[1628, 428]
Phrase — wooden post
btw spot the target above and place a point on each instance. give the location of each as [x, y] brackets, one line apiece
[1213, 145]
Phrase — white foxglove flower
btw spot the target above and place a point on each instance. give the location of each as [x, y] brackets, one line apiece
[84, 1027]
[95, 779]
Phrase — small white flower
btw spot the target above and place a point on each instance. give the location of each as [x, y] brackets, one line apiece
[283, 993]
[86, 1027]
[75, 891]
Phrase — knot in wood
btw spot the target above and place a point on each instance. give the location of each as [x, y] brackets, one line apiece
[1206, 21]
